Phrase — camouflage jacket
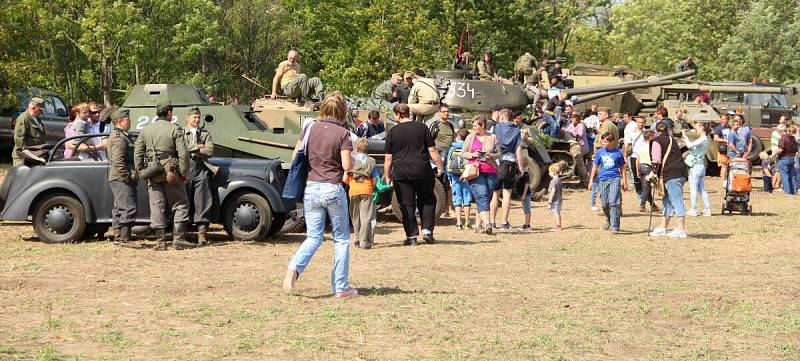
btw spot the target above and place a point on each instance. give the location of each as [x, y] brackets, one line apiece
[120, 154]
[165, 141]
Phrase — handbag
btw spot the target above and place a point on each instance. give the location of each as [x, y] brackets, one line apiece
[690, 160]
[295, 186]
[471, 171]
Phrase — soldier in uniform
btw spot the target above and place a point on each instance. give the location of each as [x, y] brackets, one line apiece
[162, 141]
[424, 97]
[295, 84]
[404, 88]
[28, 130]
[387, 90]
[485, 67]
[686, 64]
[200, 145]
[524, 68]
[122, 179]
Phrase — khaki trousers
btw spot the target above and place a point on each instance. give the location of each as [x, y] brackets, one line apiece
[362, 214]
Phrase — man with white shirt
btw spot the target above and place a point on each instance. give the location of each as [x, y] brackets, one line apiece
[633, 141]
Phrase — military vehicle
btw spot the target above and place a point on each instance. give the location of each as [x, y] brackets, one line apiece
[54, 117]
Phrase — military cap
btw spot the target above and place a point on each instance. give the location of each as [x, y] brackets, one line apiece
[106, 115]
[193, 111]
[558, 61]
[408, 74]
[419, 72]
[160, 106]
[120, 113]
[37, 102]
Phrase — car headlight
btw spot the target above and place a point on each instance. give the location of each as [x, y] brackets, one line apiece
[270, 175]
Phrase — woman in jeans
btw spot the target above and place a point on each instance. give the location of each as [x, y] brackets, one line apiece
[479, 148]
[328, 151]
[787, 150]
[697, 167]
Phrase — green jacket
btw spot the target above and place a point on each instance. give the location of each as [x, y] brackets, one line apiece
[26, 133]
[201, 153]
[166, 141]
[120, 154]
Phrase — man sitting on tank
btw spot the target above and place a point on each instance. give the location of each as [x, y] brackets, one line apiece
[294, 84]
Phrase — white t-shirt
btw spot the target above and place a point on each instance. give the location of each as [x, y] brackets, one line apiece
[592, 122]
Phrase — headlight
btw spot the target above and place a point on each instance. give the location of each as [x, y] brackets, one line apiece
[270, 175]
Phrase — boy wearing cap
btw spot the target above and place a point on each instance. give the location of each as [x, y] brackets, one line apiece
[200, 146]
[122, 178]
[28, 129]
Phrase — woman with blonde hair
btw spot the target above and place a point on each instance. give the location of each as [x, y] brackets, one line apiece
[328, 148]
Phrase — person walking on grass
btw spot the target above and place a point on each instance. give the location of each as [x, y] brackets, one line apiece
[361, 181]
[480, 149]
[328, 150]
[668, 166]
[695, 160]
[555, 197]
[525, 180]
[609, 167]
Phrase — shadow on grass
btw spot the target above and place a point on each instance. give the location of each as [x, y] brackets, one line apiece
[379, 291]
[710, 235]
[446, 242]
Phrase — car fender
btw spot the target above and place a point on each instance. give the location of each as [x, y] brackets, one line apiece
[22, 205]
[259, 185]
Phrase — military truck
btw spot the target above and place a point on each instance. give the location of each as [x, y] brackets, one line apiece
[54, 117]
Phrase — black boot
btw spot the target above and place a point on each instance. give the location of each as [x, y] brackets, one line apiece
[202, 228]
[179, 237]
[124, 239]
[116, 234]
[160, 238]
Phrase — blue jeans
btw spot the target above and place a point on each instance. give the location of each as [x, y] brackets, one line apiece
[673, 198]
[767, 184]
[482, 188]
[788, 174]
[595, 190]
[610, 200]
[462, 195]
[553, 129]
[796, 173]
[697, 184]
[526, 203]
[323, 199]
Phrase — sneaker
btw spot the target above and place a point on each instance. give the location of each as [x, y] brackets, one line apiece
[654, 208]
[614, 231]
[488, 230]
[506, 226]
[607, 225]
[595, 209]
[428, 238]
[350, 292]
[678, 233]
[410, 241]
[492, 225]
[658, 232]
[358, 244]
[706, 213]
[526, 227]
[460, 226]
[692, 213]
[642, 209]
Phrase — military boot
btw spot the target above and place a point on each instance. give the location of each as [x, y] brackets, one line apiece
[202, 228]
[179, 237]
[116, 234]
[124, 239]
[160, 238]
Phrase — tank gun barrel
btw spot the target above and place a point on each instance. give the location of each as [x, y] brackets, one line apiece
[739, 89]
[590, 96]
[630, 85]
[679, 75]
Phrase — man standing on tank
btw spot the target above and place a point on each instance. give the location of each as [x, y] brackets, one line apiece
[122, 178]
[162, 141]
[409, 151]
[295, 84]
[200, 146]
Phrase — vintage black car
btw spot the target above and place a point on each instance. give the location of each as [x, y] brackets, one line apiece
[68, 199]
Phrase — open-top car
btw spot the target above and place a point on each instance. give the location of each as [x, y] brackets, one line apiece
[67, 199]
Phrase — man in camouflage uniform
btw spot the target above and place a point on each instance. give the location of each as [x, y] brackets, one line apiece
[524, 68]
[163, 142]
[387, 90]
[200, 145]
[28, 130]
[295, 84]
[122, 179]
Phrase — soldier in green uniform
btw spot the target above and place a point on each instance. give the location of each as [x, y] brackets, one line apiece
[28, 130]
[386, 91]
[485, 67]
[293, 83]
[122, 179]
[524, 67]
[200, 145]
[162, 141]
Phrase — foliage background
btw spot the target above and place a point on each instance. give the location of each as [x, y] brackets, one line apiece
[98, 49]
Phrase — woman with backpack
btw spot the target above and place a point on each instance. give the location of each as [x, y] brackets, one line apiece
[462, 195]
[479, 150]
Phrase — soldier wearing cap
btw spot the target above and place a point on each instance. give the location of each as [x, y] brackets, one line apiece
[122, 179]
[295, 84]
[404, 88]
[200, 145]
[163, 142]
[424, 97]
[28, 129]
[386, 91]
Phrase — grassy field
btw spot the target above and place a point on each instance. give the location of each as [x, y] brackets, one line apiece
[730, 291]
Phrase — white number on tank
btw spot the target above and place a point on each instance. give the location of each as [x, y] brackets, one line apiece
[461, 90]
[143, 120]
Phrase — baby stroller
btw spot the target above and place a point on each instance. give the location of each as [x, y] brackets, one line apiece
[738, 187]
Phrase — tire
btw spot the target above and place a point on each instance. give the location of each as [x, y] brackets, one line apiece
[536, 173]
[248, 217]
[441, 202]
[277, 223]
[569, 170]
[294, 223]
[758, 147]
[58, 219]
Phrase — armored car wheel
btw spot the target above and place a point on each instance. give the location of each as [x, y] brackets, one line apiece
[59, 218]
[248, 217]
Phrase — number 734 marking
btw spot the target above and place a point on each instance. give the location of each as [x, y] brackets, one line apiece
[461, 90]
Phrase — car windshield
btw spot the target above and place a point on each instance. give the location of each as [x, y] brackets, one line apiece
[68, 150]
[773, 101]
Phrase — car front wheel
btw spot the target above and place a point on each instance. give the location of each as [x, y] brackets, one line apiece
[59, 219]
[248, 217]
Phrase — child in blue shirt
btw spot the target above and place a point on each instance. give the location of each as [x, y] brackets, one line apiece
[609, 167]
[462, 196]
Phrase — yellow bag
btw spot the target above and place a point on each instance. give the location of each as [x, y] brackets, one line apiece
[471, 171]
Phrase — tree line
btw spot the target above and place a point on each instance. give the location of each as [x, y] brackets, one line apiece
[98, 49]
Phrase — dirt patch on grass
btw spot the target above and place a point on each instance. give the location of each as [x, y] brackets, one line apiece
[729, 291]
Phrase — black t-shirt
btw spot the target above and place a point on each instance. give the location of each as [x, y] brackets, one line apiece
[403, 92]
[408, 144]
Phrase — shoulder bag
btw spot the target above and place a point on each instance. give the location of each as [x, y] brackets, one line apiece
[154, 167]
[295, 186]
